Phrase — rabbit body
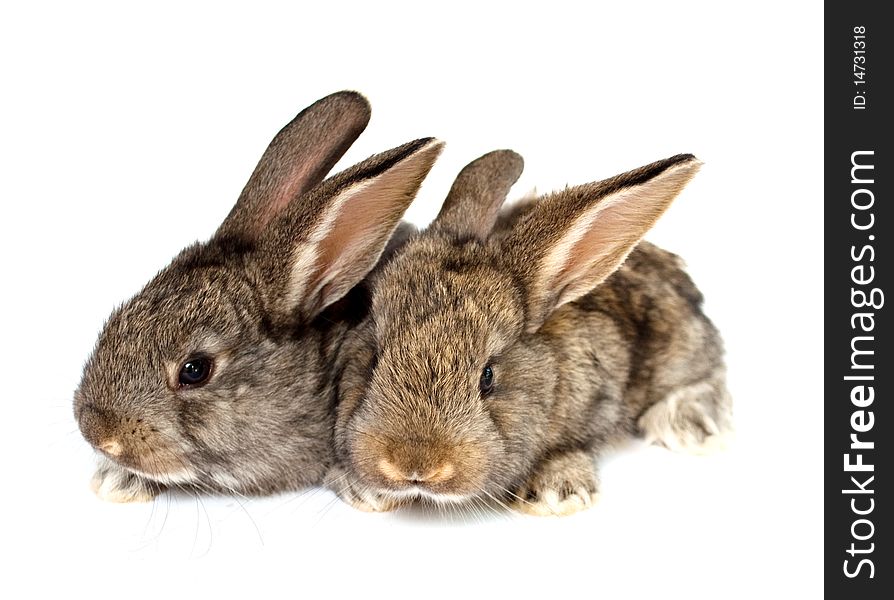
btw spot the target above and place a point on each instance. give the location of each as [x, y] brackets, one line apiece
[472, 379]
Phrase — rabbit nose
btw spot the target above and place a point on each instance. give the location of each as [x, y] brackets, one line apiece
[97, 425]
[111, 447]
[435, 474]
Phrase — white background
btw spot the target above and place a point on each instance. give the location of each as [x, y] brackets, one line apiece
[126, 134]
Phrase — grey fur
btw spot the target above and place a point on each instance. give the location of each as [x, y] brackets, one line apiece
[267, 299]
[587, 349]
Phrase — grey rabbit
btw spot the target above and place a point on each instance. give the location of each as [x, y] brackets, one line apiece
[218, 375]
[498, 364]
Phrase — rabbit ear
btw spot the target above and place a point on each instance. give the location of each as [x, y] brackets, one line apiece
[573, 240]
[478, 192]
[323, 246]
[297, 159]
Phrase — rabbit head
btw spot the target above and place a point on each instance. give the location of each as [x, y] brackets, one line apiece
[457, 396]
[217, 374]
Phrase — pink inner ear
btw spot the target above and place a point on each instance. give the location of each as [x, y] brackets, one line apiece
[365, 217]
[611, 234]
[289, 174]
[297, 159]
[295, 185]
[599, 240]
[364, 223]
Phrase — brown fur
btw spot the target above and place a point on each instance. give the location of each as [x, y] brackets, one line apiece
[267, 300]
[583, 345]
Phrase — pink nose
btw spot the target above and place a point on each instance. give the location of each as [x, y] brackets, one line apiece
[111, 447]
[435, 474]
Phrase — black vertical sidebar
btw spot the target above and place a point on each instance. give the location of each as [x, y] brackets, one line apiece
[858, 370]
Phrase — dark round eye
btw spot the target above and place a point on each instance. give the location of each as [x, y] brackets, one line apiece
[487, 380]
[195, 371]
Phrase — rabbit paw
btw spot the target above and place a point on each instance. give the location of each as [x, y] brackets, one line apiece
[560, 486]
[114, 484]
[694, 419]
[356, 494]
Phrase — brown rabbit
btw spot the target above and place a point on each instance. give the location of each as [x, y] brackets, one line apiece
[500, 366]
[217, 375]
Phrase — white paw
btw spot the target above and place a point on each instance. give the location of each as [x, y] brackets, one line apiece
[116, 485]
[370, 502]
[553, 503]
[356, 494]
[712, 444]
[693, 420]
[562, 485]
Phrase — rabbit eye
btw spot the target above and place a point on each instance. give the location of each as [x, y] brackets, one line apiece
[486, 385]
[195, 371]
